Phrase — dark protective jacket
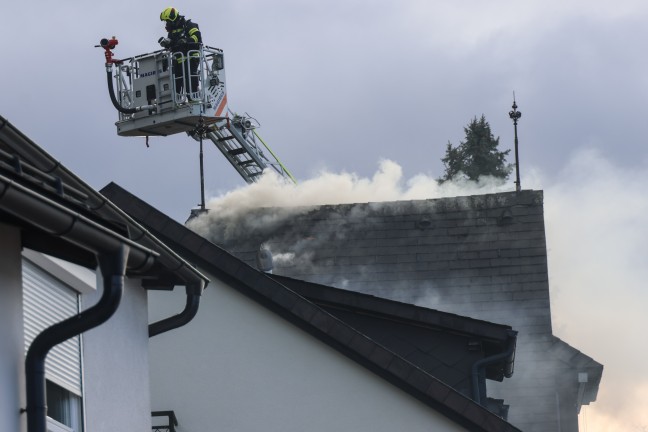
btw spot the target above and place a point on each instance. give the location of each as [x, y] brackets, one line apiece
[184, 36]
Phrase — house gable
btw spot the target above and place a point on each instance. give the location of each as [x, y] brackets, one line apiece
[483, 256]
[308, 316]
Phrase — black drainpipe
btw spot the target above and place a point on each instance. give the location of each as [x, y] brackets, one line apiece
[184, 317]
[479, 368]
[113, 268]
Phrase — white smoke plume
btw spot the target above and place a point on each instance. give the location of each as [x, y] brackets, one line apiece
[387, 184]
[596, 217]
[597, 232]
[283, 258]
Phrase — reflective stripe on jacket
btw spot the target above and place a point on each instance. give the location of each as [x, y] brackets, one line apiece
[185, 38]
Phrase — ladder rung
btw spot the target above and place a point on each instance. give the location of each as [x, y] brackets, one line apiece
[237, 151]
[255, 174]
[246, 163]
[226, 138]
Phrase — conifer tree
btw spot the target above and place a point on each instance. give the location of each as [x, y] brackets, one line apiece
[477, 156]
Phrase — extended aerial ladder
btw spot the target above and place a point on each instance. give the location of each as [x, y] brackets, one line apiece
[143, 90]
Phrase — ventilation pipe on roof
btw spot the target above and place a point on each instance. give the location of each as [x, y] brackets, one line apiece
[113, 268]
[264, 260]
[479, 368]
[184, 317]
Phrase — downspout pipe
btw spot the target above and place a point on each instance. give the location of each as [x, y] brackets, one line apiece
[113, 269]
[184, 317]
[478, 376]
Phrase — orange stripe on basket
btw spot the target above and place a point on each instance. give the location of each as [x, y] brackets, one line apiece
[221, 107]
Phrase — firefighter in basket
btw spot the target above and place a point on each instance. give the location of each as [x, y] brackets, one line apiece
[184, 41]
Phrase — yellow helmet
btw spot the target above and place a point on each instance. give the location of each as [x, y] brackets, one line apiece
[169, 14]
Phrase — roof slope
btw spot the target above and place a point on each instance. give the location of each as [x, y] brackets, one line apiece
[62, 216]
[310, 317]
[474, 255]
[445, 345]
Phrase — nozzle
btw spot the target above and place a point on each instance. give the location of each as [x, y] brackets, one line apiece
[108, 43]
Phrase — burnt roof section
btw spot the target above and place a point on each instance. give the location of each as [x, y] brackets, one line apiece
[310, 317]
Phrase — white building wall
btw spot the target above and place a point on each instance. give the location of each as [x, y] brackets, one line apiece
[239, 367]
[116, 383]
[12, 369]
[115, 359]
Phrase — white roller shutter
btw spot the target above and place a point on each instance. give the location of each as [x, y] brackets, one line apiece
[48, 301]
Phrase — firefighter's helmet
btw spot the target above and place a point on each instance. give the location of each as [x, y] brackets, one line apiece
[169, 14]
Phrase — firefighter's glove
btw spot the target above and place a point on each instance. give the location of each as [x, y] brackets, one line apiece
[182, 41]
[164, 42]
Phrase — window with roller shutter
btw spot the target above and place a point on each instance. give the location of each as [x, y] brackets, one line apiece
[47, 301]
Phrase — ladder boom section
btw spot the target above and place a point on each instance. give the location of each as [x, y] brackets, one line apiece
[237, 140]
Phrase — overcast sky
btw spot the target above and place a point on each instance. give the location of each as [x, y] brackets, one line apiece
[341, 85]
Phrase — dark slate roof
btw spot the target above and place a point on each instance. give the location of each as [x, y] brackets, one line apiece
[427, 337]
[474, 255]
[313, 318]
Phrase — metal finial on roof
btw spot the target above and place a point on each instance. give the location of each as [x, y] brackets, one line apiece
[515, 116]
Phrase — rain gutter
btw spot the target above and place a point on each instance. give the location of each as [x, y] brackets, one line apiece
[478, 376]
[171, 261]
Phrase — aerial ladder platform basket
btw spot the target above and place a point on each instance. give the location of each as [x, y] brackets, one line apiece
[145, 93]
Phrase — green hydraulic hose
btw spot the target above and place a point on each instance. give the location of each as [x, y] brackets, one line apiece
[276, 158]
